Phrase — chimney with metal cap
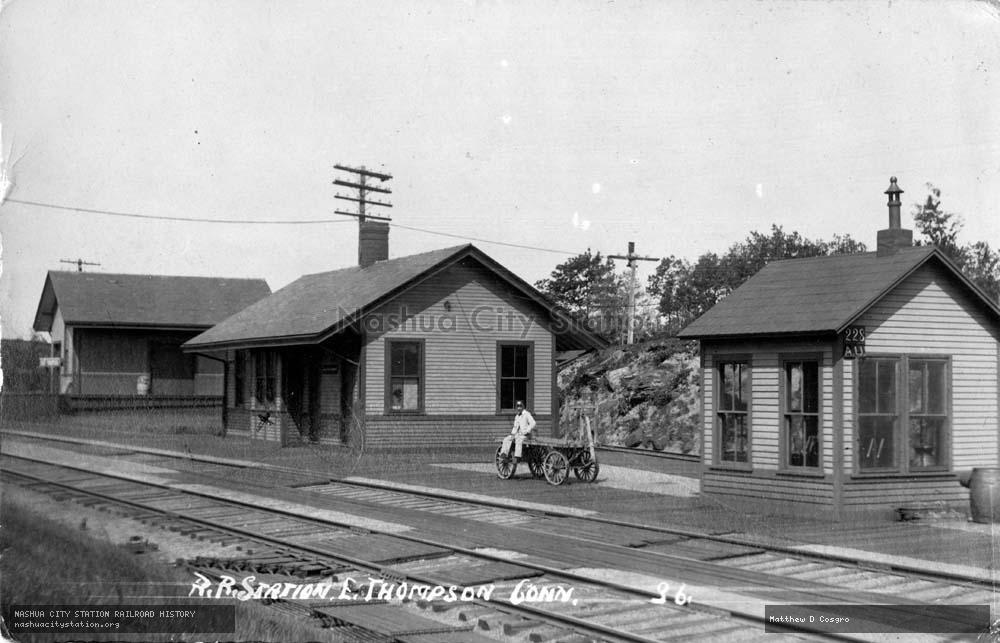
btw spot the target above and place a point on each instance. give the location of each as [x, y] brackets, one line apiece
[373, 242]
[894, 237]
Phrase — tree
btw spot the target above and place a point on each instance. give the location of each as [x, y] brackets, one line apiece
[583, 285]
[686, 291]
[941, 228]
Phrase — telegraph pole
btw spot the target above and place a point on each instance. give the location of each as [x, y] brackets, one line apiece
[80, 263]
[364, 186]
[633, 260]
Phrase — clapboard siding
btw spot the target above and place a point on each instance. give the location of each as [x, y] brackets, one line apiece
[460, 344]
[847, 417]
[931, 314]
[765, 404]
[708, 408]
[819, 492]
[891, 493]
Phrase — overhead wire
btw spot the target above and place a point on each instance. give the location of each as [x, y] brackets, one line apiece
[160, 217]
[134, 215]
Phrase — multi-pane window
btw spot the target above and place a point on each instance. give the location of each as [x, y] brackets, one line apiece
[239, 378]
[515, 375]
[902, 425]
[878, 413]
[733, 427]
[801, 414]
[265, 368]
[928, 412]
[405, 390]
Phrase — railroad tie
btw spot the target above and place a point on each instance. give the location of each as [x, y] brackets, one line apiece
[473, 612]
[436, 606]
[547, 634]
[514, 626]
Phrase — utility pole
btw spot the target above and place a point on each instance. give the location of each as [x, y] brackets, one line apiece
[80, 263]
[364, 186]
[633, 260]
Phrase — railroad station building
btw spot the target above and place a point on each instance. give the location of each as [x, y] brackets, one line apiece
[119, 336]
[427, 350]
[851, 384]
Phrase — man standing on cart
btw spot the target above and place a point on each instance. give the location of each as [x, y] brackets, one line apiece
[523, 424]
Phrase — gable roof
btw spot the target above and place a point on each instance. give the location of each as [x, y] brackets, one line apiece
[313, 307]
[817, 294]
[106, 299]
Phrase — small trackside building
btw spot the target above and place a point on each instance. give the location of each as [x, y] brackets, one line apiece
[427, 350]
[850, 385]
[120, 335]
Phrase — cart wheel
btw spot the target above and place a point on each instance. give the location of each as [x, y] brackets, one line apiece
[556, 468]
[588, 468]
[505, 465]
[537, 470]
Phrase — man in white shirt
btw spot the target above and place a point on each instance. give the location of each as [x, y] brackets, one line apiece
[523, 424]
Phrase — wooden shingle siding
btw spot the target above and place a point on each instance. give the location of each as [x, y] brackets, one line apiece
[460, 343]
[930, 314]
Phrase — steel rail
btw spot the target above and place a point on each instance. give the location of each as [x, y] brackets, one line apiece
[862, 565]
[555, 618]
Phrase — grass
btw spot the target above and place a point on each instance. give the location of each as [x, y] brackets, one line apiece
[44, 563]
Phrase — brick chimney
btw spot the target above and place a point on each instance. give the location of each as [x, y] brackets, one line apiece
[894, 237]
[373, 242]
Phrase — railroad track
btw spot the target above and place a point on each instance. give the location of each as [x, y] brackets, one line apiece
[280, 544]
[842, 572]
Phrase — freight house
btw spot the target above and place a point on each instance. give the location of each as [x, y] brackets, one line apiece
[850, 384]
[431, 349]
[119, 335]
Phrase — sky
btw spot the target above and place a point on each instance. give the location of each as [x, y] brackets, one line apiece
[560, 126]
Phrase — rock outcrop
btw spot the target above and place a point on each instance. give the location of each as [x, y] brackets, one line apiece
[646, 396]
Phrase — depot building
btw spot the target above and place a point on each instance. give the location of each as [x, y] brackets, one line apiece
[850, 384]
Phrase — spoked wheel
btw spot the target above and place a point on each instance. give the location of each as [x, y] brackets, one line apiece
[505, 465]
[588, 469]
[537, 470]
[556, 468]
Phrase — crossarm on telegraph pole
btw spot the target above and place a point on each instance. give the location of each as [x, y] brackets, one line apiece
[633, 260]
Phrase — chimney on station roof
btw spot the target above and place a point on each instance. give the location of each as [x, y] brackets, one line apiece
[894, 237]
[373, 242]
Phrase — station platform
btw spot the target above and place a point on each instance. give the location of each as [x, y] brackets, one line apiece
[950, 543]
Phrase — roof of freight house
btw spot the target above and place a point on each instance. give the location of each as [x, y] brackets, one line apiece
[106, 299]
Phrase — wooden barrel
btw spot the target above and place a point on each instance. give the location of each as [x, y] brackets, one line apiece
[984, 495]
